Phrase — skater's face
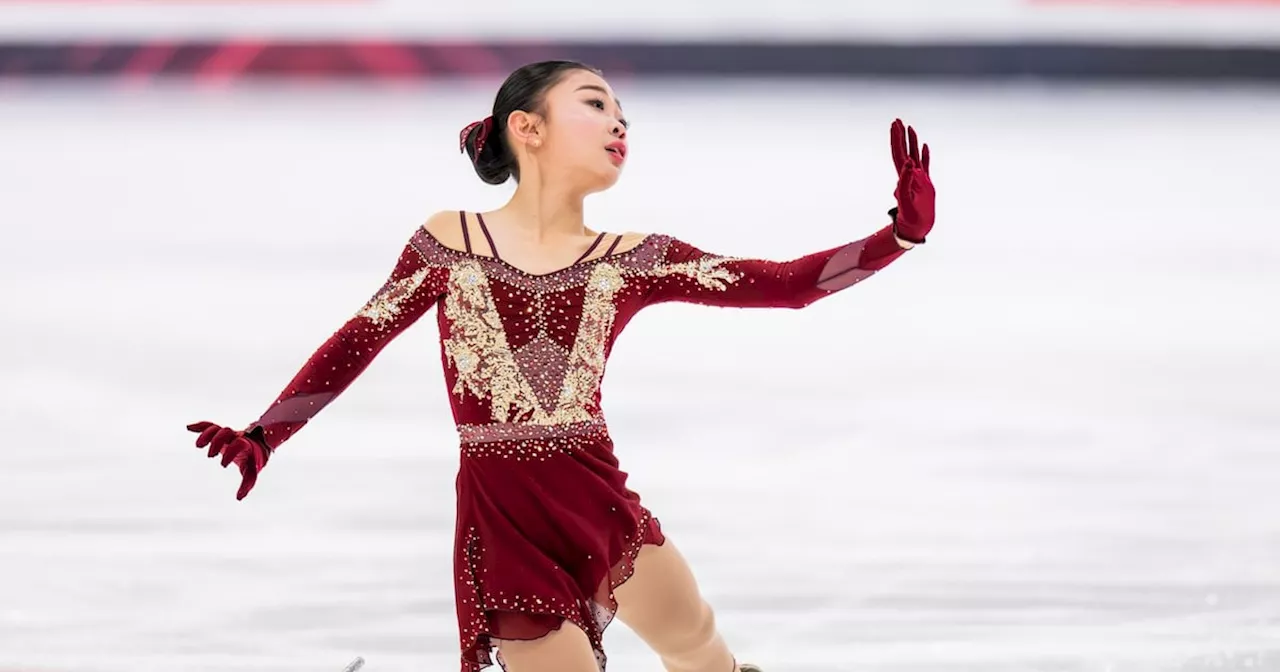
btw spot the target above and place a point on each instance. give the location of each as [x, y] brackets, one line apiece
[581, 137]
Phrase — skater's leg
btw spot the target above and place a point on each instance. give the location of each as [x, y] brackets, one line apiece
[662, 604]
[563, 650]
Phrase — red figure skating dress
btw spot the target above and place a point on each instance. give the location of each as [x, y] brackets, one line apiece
[546, 527]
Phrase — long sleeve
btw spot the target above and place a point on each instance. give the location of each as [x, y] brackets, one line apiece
[688, 274]
[413, 287]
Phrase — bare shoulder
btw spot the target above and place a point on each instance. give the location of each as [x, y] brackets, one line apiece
[630, 240]
[446, 227]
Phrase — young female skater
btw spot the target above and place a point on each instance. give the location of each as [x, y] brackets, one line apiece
[550, 543]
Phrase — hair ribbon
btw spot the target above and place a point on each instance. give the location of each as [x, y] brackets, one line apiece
[486, 127]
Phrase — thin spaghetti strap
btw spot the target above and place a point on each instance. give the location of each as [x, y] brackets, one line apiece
[614, 246]
[466, 235]
[485, 230]
[591, 249]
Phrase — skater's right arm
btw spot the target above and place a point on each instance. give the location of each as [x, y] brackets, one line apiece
[412, 288]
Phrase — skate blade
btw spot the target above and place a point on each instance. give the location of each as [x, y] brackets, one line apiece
[355, 665]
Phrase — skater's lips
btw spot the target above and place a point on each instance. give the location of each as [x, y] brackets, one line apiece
[619, 147]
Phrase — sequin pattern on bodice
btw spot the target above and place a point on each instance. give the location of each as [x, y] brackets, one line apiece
[531, 348]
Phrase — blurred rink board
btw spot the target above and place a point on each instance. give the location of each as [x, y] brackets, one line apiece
[1217, 22]
[1165, 39]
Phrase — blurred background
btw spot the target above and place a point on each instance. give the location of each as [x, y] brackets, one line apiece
[1047, 441]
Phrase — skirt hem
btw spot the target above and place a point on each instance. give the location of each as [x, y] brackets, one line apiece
[593, 617]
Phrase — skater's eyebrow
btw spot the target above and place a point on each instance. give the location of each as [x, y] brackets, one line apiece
[601, 89]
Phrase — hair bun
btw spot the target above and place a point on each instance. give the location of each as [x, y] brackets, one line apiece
[487, 148]
[524, 89]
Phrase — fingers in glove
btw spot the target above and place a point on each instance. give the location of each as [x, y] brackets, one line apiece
[246, 483]
[898, 144]
[914, 150]
[924, 158]
[206, 435]
[901, 192]
[231, 451]
[199, 427]
[220, 440]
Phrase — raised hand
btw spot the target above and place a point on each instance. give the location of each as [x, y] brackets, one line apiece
[249, 453]
[914, 214]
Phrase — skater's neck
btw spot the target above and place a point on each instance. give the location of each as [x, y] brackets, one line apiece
[541, 210]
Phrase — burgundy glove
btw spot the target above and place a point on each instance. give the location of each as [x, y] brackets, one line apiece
[913, 217]
[247, 451]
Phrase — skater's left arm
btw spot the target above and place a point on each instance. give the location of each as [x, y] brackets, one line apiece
[686, 273]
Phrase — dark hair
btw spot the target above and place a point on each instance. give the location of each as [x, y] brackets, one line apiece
[524, 89]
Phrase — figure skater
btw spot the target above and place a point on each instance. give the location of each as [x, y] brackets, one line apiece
[550, 543]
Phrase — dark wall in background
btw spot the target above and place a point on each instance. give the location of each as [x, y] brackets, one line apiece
[303, 60]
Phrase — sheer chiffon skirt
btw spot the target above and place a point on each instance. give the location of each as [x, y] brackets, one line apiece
[546, 530]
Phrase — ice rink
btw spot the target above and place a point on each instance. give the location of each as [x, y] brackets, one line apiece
[1048, 441]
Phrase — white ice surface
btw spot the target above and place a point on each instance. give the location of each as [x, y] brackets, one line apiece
[1048, 441]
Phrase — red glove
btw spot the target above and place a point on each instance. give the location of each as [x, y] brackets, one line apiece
[247, 451]
[913, 217]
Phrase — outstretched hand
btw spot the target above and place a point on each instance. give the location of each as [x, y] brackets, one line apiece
[914, 214]
[235, 447]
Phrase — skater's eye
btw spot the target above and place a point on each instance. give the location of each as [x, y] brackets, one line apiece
[599, 104]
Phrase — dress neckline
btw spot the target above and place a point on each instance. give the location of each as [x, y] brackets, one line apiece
[497, 260]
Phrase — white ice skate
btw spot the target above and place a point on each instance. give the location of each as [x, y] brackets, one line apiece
[355, 665]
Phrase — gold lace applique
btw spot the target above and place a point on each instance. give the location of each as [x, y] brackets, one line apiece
[489, 369]
[477, 346]
[707, 271]
[587, 360]
[387, 303]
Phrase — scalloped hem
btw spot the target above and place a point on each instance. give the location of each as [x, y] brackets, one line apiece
[593, 616]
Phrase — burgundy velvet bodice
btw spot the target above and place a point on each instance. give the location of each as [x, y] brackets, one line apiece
[525, 354]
